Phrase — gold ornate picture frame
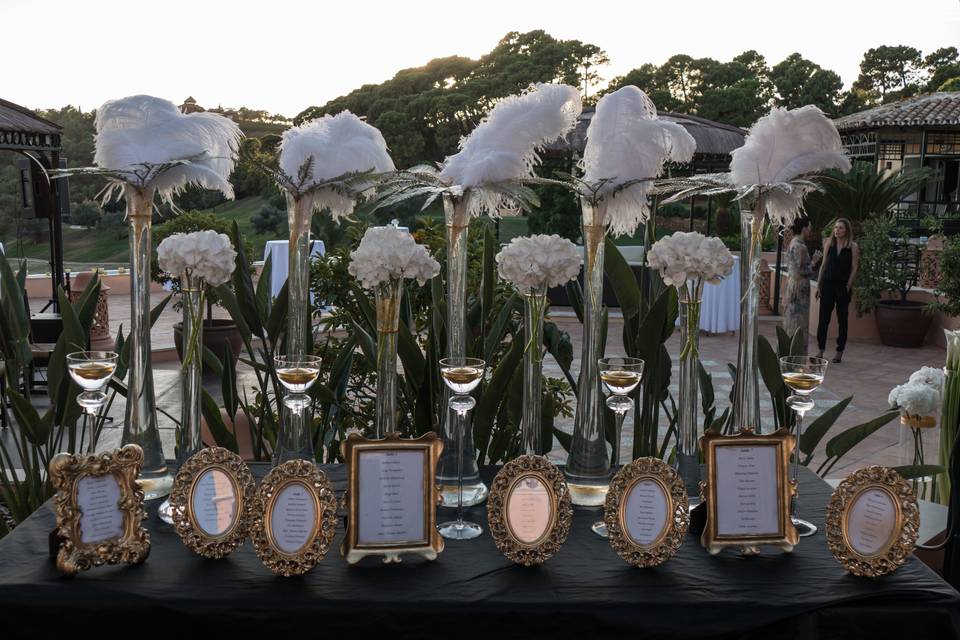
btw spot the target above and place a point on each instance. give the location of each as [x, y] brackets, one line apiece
[293, 545]
[99, 509]
[529, 510]
[873, 520]
[404, 487]
[211, 500]
[743, 464]
[646, 512]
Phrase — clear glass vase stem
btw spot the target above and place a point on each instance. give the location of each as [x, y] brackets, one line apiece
[140, 418]
[688, 454]
[388, 323]
[588, 466]
[746, 404]
[294, 441]
[457, 222]
[534, 306]
[192, 372]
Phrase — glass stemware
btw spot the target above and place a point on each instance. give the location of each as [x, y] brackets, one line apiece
[462, 376]
[92, 370]
[296, 373]
[802, 374]
[620, 377]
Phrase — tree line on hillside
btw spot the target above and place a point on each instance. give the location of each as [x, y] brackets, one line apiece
[424, 111]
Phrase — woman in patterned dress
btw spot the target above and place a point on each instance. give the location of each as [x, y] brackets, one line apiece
[796, 315]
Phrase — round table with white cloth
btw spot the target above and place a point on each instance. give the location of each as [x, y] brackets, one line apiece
[279, 253]
[720, 304]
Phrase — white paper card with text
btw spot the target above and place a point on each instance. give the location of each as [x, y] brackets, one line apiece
[98, 498]
[293, 519]
[871, 522]
[748, 502]
[645, 513]
[391, 497]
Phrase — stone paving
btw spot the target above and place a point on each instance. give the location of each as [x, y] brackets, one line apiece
[868, 372]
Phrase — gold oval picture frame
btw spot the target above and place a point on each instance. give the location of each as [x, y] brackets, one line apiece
[540, 486]
[312, 488]
[876, 498]
[647, 473]
[183, 502]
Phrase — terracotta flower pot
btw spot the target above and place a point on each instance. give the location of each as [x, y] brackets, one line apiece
[902, 324]
[217, 333]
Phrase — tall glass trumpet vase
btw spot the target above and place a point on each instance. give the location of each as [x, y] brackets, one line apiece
[688, 454]
[534, 306]
[620, 377]
[297, 373]
[588, 467]
[457, 220]
[461, 375]
[746, 403]
[92, 370]
[191, 377]
[140, 419]
[295, 437]
[802, 375]
[388, 324]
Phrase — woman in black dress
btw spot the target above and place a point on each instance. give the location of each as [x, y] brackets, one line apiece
[835, 283]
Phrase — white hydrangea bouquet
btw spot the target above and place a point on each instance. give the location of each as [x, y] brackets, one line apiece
[919, 397]
[532, 265]
[536, 263]
[918, 401]
[687, 261]
[198, 260]
[385, 257]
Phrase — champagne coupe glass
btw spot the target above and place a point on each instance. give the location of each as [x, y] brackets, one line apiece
[462, 375]
[802, 374]
[620, 376]
[92, 370]
[296, 373]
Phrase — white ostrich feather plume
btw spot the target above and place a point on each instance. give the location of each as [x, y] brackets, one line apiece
[326, 148]
[505, 146]
[146, 142]
[783, 146]
[627, 142]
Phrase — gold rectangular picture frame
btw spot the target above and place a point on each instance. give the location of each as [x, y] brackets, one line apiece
[786, 536]
[132, 545]
[431, 544]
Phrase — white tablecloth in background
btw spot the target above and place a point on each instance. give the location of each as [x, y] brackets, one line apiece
[720, 307]
[279, 253]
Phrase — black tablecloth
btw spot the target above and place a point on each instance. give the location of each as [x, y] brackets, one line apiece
[585, 591]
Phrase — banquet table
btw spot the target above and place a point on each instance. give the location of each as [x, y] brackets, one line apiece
[720, 304]
[279, 253]
[471, 591]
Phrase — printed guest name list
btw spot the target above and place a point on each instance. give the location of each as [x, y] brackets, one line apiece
[391, 497]
[747, 491]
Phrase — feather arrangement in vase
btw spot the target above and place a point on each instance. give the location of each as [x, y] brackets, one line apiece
[145, 147]
[627, 148]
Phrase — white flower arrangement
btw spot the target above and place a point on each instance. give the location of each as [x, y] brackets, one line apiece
[686, 256]
[539, 261]
[202, 254]
[388, 253]
[915, 399]
[920, 395]
[930, 376]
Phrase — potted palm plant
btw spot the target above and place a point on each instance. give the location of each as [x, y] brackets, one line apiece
[217, 332]
[889, 269]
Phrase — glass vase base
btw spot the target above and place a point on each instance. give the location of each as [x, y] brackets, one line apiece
[459, 530]
[588, 495]
[165, 512]
[474, 493]
[156, 485]
[600, 528]
[804, 529]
